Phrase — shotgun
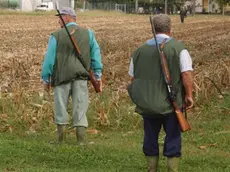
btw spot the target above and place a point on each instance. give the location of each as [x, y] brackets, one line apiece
[95, 83]
[168, 80]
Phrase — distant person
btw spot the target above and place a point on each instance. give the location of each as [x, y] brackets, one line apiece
[148, 91]
[65, 73]
[160, 10]
[183, 14]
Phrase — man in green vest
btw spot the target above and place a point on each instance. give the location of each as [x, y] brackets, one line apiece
[64, 72]
[149, 92]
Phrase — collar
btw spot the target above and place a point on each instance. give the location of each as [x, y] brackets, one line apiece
[162, 35]
[71, 23]
[160, 38]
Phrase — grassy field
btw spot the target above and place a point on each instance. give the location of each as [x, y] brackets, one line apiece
[26, 123]
[205, 147]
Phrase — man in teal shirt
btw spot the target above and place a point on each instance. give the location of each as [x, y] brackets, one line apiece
[64, 72]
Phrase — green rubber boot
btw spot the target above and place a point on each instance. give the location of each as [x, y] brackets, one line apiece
[61, 132]
[172, 164]
[152, 162]
[81, 135]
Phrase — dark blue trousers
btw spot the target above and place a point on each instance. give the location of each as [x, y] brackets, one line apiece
[172, 143]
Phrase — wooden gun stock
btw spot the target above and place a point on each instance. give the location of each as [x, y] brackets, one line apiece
[96, 84]
[180, 116]
[184, 125]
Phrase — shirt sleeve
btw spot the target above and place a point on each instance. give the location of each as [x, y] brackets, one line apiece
[95, 54]
[185, 61]
[131, 71]
[49, 60]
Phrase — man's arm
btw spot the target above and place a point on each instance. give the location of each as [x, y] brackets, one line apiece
[96, 64]
[187, 78]
[131, 70]
[49, 60]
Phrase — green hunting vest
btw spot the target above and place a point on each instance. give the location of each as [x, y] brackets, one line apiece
[67, 67]
[148, 89]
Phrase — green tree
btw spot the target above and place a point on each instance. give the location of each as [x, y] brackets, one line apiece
[222, 4]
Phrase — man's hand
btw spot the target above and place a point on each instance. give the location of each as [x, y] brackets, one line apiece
[189, 102]
[46, 93]
[46, 87]
[99, 83]
[131, 80]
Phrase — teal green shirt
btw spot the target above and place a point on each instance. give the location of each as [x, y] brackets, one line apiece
[49, 60]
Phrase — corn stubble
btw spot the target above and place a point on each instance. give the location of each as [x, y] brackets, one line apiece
[24, 42]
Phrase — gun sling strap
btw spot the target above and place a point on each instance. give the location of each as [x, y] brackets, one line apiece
[168, 79]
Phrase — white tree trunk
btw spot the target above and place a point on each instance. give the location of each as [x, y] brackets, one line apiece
[84, 5]
[193, 7]
[166, 6]
[72, 4]
[223, 10]
[136, 6]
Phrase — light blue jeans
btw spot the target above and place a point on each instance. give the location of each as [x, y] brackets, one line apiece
[78, 91]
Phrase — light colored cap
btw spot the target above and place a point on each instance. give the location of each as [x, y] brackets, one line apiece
[67, 11]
